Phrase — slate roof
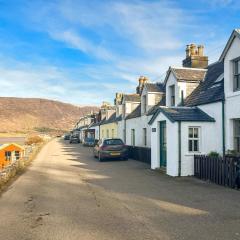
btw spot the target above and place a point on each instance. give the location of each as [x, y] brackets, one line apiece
[189, 74]
[111, 119]
[119, 118]
[132, 97]
[211, 89]
[180, 114]
[155, 87]
[153, 109]
[135, 113]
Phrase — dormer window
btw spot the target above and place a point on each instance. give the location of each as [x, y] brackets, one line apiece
[236, 74]
[172, 95]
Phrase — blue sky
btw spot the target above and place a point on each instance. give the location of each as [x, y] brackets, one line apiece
[83, 52]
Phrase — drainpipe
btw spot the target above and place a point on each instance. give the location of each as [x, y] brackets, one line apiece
[223, 129]
[179, 149]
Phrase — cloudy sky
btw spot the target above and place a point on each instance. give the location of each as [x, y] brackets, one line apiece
[83, 52]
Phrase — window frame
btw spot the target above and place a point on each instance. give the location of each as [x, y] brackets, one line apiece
[236, 135]
[236, 74]
[172, 95]
[193, 138]
[7, 156]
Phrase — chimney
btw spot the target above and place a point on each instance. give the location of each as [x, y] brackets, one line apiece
[118, 98]
[141, 82]
[195, 57]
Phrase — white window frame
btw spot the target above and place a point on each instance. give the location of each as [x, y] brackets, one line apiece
[193, 138]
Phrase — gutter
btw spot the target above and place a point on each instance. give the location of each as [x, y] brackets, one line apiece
[179, 149]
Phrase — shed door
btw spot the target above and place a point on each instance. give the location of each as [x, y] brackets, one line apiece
[163, 144]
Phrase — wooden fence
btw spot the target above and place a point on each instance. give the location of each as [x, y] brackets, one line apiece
[141, 154]
[222, 171]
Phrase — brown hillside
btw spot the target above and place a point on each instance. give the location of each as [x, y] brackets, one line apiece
[29, 114]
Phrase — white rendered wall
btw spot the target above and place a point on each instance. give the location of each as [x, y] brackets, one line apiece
[232, 98]
[138, 124]
[172, 145]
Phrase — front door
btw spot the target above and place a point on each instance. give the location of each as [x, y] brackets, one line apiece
[163, 144]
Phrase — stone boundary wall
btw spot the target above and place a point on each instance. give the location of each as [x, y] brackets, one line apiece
[19, 165]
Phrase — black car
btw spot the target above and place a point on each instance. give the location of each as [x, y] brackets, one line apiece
[67, 137]
[74, 139]
[111, 148]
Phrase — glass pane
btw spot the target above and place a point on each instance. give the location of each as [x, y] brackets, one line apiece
[190, 132]
[196, 147]
[238, 66]
[195, 132]
[190, 146]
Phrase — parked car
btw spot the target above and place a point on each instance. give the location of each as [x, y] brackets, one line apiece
[74, 139]
[66, 137]
[110, 148]
[89, 142]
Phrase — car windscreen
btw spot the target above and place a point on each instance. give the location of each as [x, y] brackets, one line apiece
[113, 142]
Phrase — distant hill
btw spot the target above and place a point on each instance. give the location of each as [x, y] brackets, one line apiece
[33, 114]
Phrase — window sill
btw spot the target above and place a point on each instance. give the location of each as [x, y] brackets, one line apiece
[193, 153]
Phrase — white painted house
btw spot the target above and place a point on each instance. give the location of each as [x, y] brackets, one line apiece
[202, 112]
[231, 59]
[137, 128]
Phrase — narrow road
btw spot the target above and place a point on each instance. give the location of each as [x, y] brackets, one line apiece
[66, 194]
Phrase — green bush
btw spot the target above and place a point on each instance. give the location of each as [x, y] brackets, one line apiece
[214, 154]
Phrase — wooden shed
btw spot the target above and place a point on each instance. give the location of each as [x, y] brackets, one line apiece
[9, 153]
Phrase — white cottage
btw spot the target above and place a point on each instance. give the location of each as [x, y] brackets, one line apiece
[231, 59]
[137, 127]
[181, 128]
[202, 112]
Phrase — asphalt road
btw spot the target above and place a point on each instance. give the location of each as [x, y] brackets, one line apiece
[67, 194]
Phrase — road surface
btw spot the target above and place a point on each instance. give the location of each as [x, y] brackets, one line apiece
[66, 194]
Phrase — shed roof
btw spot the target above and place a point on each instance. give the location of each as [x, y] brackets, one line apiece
[183, 114]
[3, 146]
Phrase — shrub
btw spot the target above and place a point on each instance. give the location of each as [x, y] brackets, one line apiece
[33, 140]
[213, 154]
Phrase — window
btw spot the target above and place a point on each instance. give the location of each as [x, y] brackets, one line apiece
[17, 154]
[144, 103]
[8, 155]
[157, 99]
[133, 137]
[193, 139]
[113, 142]
[236, 75]
[237, 135]
[172, 95]
[107, 133]
[112, 133]
[144, 136]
